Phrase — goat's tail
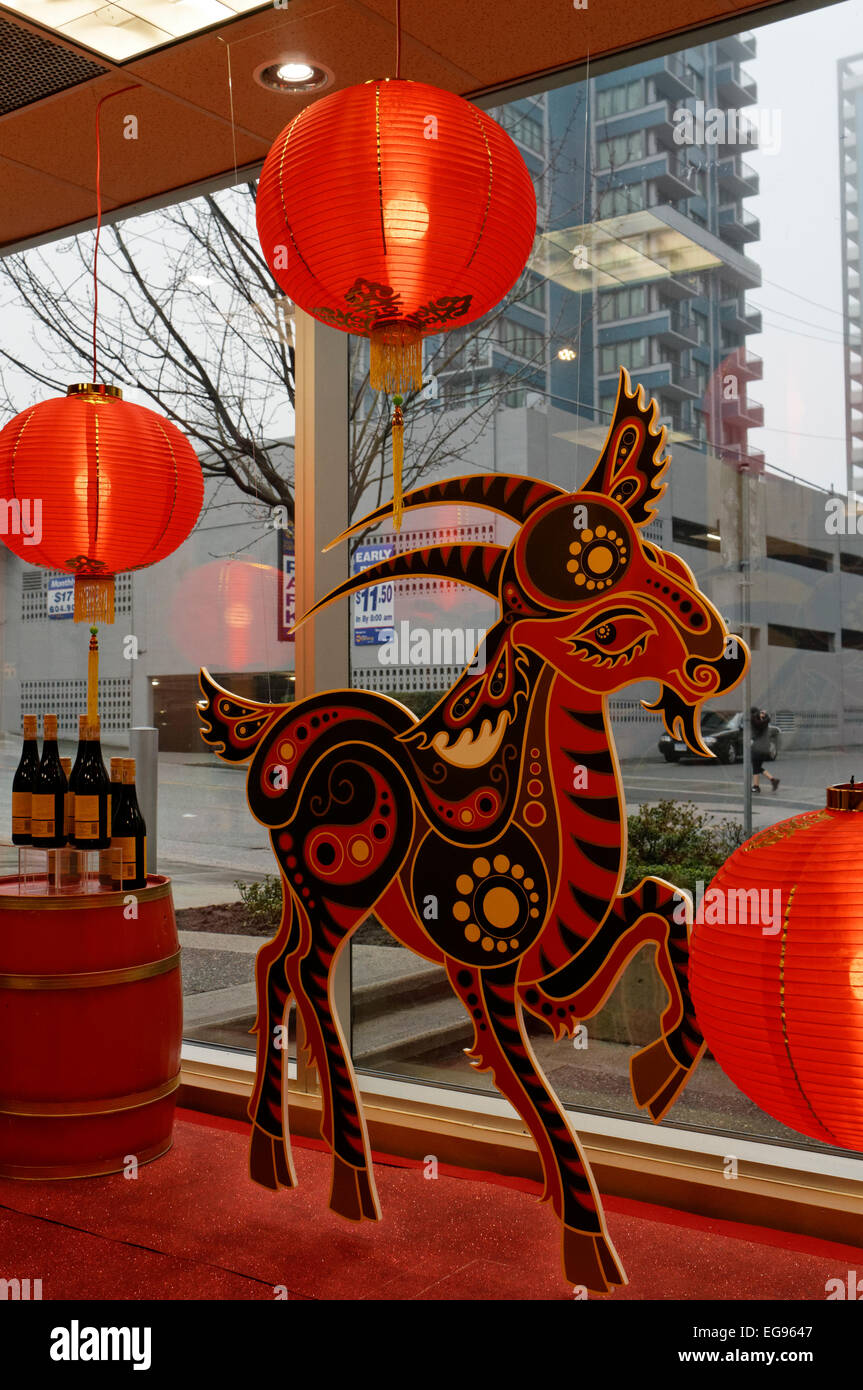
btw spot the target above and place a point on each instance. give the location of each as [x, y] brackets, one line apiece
[233, 726]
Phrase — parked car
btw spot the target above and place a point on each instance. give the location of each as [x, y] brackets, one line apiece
[722, 732]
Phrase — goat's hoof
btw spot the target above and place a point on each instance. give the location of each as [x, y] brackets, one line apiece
[657, 1078]
[591, 1261]
[269, 1165]
[353, 1193]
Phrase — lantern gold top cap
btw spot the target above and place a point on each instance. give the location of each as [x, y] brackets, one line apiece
[845, 796]
[94, 388]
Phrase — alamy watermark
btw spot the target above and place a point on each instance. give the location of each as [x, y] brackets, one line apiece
[22, 516]
[760, 128]
[754, 907]
[411, 644]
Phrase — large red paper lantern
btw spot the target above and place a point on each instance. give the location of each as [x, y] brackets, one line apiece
[777, 970]
[395, 210]
[119, 488]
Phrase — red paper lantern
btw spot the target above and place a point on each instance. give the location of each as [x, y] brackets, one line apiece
[395, 210]
[119, 488]
[777, 978]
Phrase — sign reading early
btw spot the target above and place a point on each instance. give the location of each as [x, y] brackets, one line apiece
[374, 608]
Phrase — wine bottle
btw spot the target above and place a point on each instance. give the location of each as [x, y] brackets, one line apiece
[107, 857]
[92, 790]
[129, 843]
[23, 781]
[82, 743]
[48, 813]
[68, 800]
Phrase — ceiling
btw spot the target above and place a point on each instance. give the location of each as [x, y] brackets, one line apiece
[50, 85]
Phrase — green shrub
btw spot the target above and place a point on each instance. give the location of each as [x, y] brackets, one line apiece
[675, 841]
[262, 903]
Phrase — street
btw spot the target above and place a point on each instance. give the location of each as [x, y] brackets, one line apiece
[207, 836]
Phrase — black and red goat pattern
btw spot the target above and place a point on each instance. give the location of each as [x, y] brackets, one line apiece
[489, 835]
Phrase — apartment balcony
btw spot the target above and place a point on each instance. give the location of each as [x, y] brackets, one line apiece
[669, 288]
[672, 78]
[749, 365]
[735, 88]
[738, 48]
[677, 332]
[675, 387]
[737, 131]
[740, 320]
[738, 226]
[667, 172]
[743, 411]
[737, 179]
[857, 456]
[852, 253]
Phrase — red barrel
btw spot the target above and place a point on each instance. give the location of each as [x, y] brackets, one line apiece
[91, 1017]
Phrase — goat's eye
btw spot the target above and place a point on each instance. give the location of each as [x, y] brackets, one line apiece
[621, 639]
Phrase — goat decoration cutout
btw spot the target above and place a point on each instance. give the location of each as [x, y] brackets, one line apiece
[489, 836]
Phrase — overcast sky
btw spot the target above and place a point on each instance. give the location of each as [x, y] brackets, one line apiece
[800, 251]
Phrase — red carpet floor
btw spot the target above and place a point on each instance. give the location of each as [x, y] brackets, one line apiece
[192, 1226]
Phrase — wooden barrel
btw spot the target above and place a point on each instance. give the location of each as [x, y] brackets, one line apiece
[91, 1016]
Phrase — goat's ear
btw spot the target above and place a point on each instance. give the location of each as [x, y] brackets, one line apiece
[630, 467]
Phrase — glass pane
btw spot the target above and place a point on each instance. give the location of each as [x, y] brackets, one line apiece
[697, 269]
[191, 326]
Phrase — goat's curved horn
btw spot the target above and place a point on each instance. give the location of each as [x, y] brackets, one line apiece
[512, 496]
[477, 566]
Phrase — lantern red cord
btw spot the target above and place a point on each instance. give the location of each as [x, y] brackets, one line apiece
[116, 486]
[777, 970]
[395, 210]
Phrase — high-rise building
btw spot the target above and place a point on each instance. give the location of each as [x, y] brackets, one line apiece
[850, 78]
[641, 187]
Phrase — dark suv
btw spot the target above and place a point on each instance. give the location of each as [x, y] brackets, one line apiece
[721, 731]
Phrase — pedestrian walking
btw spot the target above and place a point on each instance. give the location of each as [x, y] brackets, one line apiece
[759, 721]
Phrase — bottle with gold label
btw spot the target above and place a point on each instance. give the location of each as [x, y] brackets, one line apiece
[68, 800]
[92, 793]
[107, 874]
[48, 808]
[129, 842]
[24, 781]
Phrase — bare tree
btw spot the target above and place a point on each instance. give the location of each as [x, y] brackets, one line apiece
[191, 317]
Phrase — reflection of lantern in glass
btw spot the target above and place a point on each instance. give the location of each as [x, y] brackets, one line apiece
[229, 609]
[777, 970]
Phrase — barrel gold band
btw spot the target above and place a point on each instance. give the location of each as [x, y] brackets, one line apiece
[72, 902]
[93, 979]
[110, 1105]
[98, 1168]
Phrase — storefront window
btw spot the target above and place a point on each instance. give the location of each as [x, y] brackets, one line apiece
[752, 352]
[699, 225]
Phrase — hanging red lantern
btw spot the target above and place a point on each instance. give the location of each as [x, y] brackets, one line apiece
[395, 210]
[777, 970]
[118, 488]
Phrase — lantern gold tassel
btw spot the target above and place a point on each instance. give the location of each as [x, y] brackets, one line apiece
[94, 598]
[398, 460]
[93, 676]
[395, 358]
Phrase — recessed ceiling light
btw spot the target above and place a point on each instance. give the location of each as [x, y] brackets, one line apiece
[293, 75]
